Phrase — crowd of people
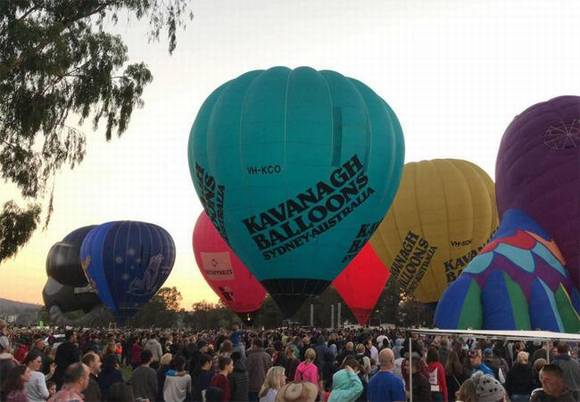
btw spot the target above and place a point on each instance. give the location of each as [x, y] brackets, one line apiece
[283, 365]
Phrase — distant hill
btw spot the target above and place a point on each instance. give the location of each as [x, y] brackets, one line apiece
[15, 307]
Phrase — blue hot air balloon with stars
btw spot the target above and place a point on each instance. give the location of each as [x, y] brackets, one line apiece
[127, 262]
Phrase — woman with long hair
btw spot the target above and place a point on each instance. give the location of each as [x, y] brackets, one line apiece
[36, 389]
[291, 362]
[454, 375]
[307, 370]
[13, 386]
[275, 379]
[436, 374]
[110, 374]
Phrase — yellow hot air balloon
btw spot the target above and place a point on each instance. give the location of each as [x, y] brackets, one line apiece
[443, 214]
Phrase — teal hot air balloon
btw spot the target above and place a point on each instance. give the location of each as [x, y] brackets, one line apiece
[295, 168]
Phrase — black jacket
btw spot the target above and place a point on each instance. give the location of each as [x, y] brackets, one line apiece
[93, 392]
[239, 382]
[67, 353]
[520, 380]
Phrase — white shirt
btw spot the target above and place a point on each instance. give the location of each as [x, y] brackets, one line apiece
[154, 347]
[36, 390]
[270, 396]
[374, 355]
[381, 340]
[176, 388]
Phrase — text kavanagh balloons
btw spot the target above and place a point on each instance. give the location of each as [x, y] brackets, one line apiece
[443, 214]
[361, 283]
[63, 262]
[538, 171]
[224, 271]
[295, 168]
[127, 262]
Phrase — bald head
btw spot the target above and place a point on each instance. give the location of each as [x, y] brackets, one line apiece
[386, 359]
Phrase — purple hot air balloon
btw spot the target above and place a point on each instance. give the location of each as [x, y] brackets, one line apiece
[538, 171]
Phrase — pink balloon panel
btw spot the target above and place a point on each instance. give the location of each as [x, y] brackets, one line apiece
[224, 271]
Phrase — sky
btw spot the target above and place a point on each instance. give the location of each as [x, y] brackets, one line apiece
[456, 72]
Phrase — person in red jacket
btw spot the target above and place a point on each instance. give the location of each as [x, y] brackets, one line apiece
[437, 378]
[136, 350]
[21, 352]
[221, 380]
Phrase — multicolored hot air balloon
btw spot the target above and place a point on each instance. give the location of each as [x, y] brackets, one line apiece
[538, 171]
[295, 168]
[443, 214]
[127, 262]
[63, 262]
[361, 283]
[224, 271]
[516, 282]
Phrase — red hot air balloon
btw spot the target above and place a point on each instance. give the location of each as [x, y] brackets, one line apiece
[224, 271]
[361, 283]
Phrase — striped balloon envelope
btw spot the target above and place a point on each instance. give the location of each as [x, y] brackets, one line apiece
[516, 282]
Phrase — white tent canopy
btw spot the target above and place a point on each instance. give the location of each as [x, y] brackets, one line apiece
[507, 335]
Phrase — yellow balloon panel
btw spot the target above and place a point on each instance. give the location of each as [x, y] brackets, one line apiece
[443, 214]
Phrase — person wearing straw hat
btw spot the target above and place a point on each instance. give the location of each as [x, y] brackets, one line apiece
[297, 392]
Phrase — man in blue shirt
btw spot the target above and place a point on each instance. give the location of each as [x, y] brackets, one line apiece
[476, 363]
[384, 386]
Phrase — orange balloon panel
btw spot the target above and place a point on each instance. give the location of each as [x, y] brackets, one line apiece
[224, 271]
[361, 283]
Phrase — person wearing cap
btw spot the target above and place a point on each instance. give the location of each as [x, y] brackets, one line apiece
[297, 392]
[384, 386]
[553, 387]
[488, 389]
[476, 363]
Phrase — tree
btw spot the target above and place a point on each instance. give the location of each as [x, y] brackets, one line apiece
[206, 315]
[57, 61]
[389, 301]
[171, 297]
[161, 311]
